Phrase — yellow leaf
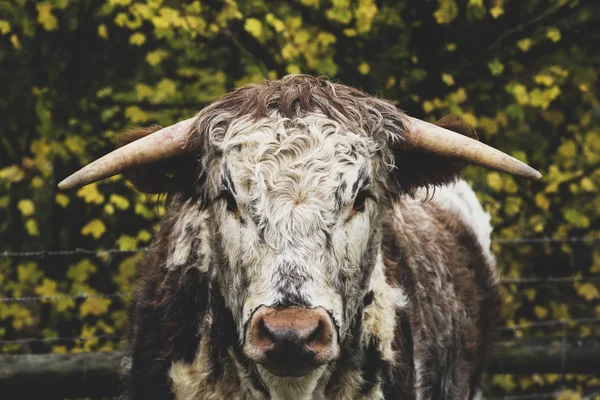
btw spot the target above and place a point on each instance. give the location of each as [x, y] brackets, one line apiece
[469, 118]
[122, 3]
[496, 67]
[576, 217]
[119, 201]
[553, 34]
[277, 24]
[165, 89]
[459, 96]
[47, 288]
[62, 199]
[496, 11]
[29, 272]
[448, 79]
[59, 349]
[127, 242]
[90, 194]
[588, 291]
[588, 185]
[143, 91]
[14, 40]
[12, 173]
[525, 383]
[37, 182]
[364, 68]
[391, 81]
[95, 228]
[22, 318]
[540, 312]
[428, 106]
[155, 57]
[293, 69]
[76, 144]
[447, 11]
[45, 16]
[489, 125]
[32, 227]
[530, 294]
[254, 27]
[136, 114]
[520, 93]
[350, 32]
[102, 31]
[524, 44]
[109, 209]
[137, 39]
[144, 235]
[4, 27]
[451, 47]
[26, 206]
[4, 201]
[542, 201]
[365, 13]
[494, 181]
[544, 79]
[81, 271]
[94, 306]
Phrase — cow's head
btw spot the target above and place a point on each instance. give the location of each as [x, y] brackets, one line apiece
[292, 177]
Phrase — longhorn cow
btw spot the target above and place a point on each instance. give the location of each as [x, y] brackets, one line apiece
[318, 244]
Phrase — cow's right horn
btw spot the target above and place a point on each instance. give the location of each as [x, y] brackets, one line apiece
[165, 143]
[429, 138]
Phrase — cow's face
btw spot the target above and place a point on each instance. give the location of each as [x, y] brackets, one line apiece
[295, 218]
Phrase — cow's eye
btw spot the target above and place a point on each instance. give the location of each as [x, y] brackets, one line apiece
[359, 201]
[229, 201]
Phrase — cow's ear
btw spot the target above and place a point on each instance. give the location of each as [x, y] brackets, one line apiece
[160, 177]
[416, 169]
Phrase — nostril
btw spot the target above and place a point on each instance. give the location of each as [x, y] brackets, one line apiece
[317, 335]
[264, 334]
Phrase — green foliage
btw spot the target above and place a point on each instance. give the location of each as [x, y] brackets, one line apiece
[77, 73]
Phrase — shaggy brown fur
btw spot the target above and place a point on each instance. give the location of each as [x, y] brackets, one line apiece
[441, 339]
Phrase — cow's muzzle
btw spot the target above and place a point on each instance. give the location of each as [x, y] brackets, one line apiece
[291, 341]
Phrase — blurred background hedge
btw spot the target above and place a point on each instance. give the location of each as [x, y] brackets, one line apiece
[76, 73]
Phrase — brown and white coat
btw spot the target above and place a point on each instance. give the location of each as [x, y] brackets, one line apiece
[294, 199]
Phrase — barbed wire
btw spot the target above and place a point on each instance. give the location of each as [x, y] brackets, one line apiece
[551, 279]
[84, 295]
[119, 337]
[79, 296]
[554, 322]
[533, 240]
[51, 253]
[543, 395]
[60, 339]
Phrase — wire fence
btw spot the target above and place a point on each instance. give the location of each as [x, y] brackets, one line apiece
[518, 282]
[84, 295]
[533, 324]
[100, 252]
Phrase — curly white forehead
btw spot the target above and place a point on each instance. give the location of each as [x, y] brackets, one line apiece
[297, 166]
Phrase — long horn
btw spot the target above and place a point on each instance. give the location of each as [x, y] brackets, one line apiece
[425, 137]
[164, 143]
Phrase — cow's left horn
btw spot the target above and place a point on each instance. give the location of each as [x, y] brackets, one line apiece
[430, 138]
[165, 143]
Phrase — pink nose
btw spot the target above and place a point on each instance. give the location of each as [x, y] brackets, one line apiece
[291, 341]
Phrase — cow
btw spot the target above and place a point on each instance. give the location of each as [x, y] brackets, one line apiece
[318, 243]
